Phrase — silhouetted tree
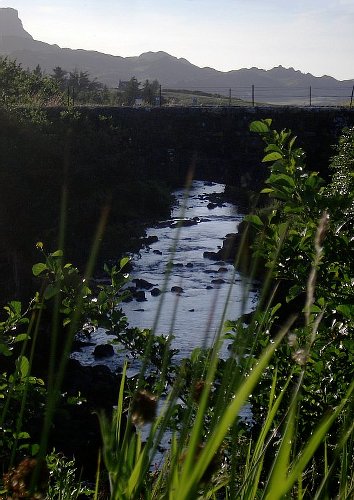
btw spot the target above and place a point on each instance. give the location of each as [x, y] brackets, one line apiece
[150, 91]
[38, 71]
[25, 87]
[60, 76]
[132, 91]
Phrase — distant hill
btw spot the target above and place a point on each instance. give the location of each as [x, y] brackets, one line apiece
[276, 85]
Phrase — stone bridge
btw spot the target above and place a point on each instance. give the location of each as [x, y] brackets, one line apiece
[216, 142]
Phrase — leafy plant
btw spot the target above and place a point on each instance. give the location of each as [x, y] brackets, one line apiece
[64, 481]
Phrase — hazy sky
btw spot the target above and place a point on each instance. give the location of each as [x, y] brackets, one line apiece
[315, 36]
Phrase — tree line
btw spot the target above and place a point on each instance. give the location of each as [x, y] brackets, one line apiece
[19, 86]
[85, 90]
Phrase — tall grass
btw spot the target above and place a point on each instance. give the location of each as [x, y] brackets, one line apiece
[213, 453]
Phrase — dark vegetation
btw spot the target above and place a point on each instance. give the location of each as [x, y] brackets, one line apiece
[64, 177]
[67, 166]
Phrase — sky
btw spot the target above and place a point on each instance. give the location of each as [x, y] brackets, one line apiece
[313, 36]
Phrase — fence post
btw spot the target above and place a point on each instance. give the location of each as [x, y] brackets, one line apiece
[160, 96]
[351, 98]
[253, 96]
[310, 96]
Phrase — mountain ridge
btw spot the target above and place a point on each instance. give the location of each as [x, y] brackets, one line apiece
[17, 44]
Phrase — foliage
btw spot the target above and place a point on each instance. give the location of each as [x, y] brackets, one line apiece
[19, 87]
[65, 281]
[294, 366]
[63, 478]
[303, 393]
[21, 394]
[68, 300]
[150, 92]
[93, 164]
[305, 240]
[130, 91]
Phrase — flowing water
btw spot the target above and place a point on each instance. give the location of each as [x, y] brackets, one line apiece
[194, 314]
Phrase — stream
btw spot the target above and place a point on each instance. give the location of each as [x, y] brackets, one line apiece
[193, 311]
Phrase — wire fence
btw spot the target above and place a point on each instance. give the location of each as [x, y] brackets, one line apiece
[254, 95]
[247, 95]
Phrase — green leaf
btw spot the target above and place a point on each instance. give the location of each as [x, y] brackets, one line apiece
[58, 253]
[51, 290]
[22, 435]
[274, 156]
[5, 350]
[37, 269]
[254, 219]
[34, 449]
[85, 291]
[15, 307]
[259, 126]
[275, 308]
[102, 297]
[124, 261]
[24, 367]
[346, 309]
[281, 180]
[291, 142]
[293, 210]
[272, 147]
[22, 337]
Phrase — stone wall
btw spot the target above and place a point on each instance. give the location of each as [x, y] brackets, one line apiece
[216, 142]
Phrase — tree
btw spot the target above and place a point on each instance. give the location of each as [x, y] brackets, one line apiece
[38, 71]
[132, 91]
[25, 87]
[150, 91]
[60, 76]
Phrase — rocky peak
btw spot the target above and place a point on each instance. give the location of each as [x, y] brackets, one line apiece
[154, 56]
[11, 24]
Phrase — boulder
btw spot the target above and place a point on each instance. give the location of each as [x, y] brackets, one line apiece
[177, 289]
[211, 255]
[103, 351]
[218, 281]
[140, 283]
[149, 240]
[229, 248]
[77, 345]
[139, 296]
[155, 292]
[185, 222]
